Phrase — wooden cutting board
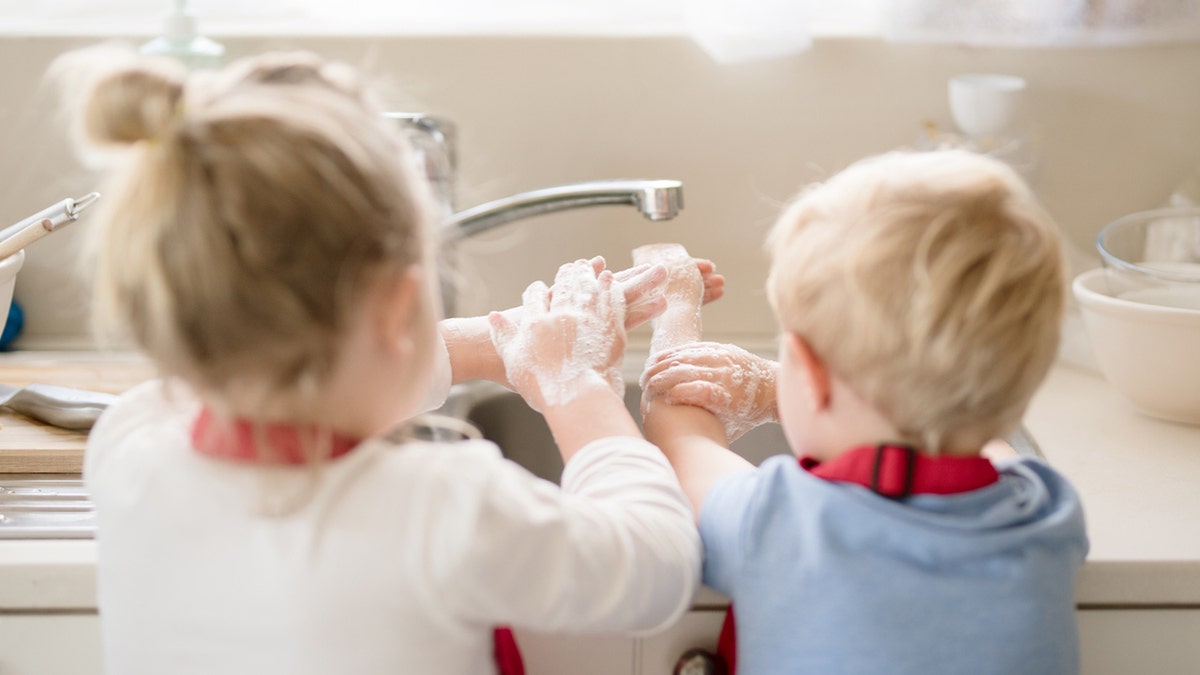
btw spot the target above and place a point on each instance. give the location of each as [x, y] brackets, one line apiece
[28, 446]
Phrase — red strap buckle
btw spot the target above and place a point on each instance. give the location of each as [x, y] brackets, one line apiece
[897, 477]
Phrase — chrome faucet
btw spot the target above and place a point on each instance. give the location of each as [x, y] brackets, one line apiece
[434, 143]
[655, 199]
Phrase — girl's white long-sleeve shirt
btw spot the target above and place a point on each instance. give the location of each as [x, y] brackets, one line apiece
[399, 559]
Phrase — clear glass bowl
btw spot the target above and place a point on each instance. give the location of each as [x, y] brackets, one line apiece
[1153, 257]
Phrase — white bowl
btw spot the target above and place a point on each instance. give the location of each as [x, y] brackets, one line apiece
[8, 278]
[1150, 353]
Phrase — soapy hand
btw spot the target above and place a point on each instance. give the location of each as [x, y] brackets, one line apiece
[737, 387]
[564, 343]
[644, 288]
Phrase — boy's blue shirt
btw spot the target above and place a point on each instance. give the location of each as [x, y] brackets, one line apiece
[832, 578]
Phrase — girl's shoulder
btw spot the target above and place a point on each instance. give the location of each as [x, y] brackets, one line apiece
[153, 401]
[153, 409]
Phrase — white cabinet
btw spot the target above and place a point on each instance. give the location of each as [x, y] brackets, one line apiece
[1123, 641]
[658, 654]
[1112, 641]
[559, 654]
[50, 644]
[655, 655]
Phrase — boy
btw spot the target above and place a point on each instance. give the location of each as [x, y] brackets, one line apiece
[919, 298]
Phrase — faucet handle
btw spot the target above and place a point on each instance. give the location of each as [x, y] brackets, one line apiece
[434, 143]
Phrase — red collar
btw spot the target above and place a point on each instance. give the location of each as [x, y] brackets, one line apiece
[239, 440]
[897, 471]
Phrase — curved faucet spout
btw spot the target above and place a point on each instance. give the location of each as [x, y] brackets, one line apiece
[655, 199]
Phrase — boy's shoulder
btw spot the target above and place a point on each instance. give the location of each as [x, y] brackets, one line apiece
[768, 522]
[781, 493]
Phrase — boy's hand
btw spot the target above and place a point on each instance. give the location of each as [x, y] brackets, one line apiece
[567, 343]
[737, 387]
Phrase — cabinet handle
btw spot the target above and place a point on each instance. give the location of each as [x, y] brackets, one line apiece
[700, 662]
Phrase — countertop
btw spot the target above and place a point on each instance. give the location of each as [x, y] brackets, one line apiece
[1138, 478]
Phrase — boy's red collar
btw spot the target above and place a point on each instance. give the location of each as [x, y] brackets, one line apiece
[897, 471]
[285, 443]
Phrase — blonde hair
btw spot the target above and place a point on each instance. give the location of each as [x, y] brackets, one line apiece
[932, 284]
[255, 206]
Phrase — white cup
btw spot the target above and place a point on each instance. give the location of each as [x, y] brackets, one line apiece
[984, 106]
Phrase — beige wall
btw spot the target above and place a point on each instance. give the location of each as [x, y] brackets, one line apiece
[1117, 130]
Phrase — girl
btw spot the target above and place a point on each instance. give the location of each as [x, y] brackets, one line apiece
[266, 246]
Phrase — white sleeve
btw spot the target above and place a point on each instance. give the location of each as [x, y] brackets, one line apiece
[439, 384]
[615, 550]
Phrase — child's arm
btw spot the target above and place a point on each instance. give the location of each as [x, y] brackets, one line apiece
[685, 389]
[469, 342]
[692, 439]
[563, 355]
[731, 383]
[615, 548]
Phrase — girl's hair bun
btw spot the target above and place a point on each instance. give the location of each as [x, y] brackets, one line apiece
[137, 101]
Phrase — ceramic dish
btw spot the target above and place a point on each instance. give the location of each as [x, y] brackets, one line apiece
[1148, 352]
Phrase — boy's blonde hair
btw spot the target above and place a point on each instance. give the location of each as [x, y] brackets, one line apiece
[932, 284]
[259, 202]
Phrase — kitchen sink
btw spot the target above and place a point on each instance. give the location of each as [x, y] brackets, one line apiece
[45, 506]
[56, 506]
[504, 418]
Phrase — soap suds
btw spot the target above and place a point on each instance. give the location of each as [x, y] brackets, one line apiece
[680, 323]
[589, 318]
[734, 385]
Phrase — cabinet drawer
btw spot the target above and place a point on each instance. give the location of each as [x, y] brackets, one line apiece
[50, 644]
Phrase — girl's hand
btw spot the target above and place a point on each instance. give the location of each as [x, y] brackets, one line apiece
[472, 351]
[714, 284]
[737, 387]
[643, 287]
[566, 343]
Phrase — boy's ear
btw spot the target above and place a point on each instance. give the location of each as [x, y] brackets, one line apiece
[814, 376]
[398, 308]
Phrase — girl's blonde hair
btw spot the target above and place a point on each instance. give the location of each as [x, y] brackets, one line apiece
[256, 205]
[932, 283]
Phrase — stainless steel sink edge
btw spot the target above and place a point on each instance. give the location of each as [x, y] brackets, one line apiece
[45, 506]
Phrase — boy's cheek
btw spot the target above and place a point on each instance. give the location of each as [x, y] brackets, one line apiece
[793, 415]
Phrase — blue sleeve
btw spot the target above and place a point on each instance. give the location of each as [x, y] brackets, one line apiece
[723, 522]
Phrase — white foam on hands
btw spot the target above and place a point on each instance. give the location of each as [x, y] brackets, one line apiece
[565, 342]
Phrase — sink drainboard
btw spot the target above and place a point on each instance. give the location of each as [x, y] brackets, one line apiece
[45, 506]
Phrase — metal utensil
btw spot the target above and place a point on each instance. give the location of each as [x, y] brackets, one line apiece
[24, 233]
[64, 407]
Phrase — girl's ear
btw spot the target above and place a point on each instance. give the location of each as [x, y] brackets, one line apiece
[399, 309]
[813, 375]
